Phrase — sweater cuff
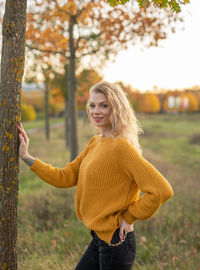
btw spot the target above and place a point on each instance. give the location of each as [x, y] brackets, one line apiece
[36, 164]
[129, 218]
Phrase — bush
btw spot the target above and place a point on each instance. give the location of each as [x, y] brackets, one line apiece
[27, 113]
[148, 103]
[193, 102]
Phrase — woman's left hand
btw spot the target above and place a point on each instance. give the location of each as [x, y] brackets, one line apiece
[125, 228]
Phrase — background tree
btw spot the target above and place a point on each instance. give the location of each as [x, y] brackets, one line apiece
[35, 65]
[56, 102]
[12, 68]
[148, 103]
[132, 94]
[91, 28]
[59, 81]
[193, 102]
[86, 79]
[34, 98]
[27, 112]
[198, 97]
[166, 103]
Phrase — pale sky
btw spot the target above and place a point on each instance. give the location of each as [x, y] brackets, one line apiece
[174, 66]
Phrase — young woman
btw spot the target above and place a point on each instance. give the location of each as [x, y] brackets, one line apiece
[109, 174]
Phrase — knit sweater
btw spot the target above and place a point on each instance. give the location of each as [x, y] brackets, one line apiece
[109, 174]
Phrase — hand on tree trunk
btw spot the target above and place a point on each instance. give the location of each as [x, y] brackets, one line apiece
[23, 148]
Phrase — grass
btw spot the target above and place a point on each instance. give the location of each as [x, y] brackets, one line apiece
[174, 137]
[51, 237]
[40, 123]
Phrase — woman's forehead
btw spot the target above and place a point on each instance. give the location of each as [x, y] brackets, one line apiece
[98, 97]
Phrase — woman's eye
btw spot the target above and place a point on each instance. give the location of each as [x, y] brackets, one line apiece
[91, 105]
[105, 105]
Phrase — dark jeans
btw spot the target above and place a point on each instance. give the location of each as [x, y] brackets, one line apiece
[100, 256]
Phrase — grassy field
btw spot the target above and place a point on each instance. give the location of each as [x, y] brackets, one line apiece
[50, 236]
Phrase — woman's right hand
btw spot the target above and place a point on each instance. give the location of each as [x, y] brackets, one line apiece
[24, 142]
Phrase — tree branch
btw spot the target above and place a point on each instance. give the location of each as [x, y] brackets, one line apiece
[46, 50]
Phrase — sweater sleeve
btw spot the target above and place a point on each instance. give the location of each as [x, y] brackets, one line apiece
[60, 177]
[150, 181]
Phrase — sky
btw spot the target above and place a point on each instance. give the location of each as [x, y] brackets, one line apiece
[175, 65]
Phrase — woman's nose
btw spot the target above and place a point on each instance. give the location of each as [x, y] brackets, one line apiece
[96, 109]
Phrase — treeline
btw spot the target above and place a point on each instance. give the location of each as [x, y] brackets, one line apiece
[33, 102]
[177, 101]
[171, 101]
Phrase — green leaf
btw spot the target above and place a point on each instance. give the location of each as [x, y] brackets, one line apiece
[175, 5]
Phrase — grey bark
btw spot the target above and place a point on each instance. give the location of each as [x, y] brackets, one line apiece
[47, 131]
[67, 128]
[12, 69]
[72, 87]
[67, 112]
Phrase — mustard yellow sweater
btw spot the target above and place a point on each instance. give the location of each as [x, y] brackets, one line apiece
[109, 175]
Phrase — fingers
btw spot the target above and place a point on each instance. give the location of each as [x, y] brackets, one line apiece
[21, 138]
[124, 229]
[20, 127]
[121, 232]
[23, 133]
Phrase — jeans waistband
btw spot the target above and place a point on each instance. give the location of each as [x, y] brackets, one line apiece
[115, 237]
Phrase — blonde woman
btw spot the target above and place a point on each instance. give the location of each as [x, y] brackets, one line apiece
[109, 174]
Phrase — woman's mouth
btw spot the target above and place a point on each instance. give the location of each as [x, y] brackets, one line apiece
[97, 119]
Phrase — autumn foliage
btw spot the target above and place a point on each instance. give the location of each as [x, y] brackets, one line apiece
[73, 30]
[165, 102]
[27, 113]
[57, 102]
[193, 102]
[101, 30]
[148, 103]
[34, 98]
[184, 101]
[86, 79]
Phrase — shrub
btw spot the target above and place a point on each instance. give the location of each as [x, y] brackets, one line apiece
[193, 102]
[27, 112]
[148, 103]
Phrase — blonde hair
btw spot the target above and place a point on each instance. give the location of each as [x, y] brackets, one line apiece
[123, 119]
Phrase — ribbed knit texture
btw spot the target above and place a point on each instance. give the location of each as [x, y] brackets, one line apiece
[109, 175]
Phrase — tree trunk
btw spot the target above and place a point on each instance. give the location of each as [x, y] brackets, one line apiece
[67, 128]
[72, 92]
[47, 132]
[12, 68]
[66, 116]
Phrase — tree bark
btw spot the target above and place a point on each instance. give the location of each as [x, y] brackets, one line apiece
[72, 87]
[67, 128]
[12, 69]
[66, 115]
[47, 131]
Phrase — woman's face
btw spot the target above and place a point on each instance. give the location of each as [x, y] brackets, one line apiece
[100, 111]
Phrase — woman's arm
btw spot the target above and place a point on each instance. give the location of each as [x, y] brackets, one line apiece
[29, 160]
[151, 182]
[59, 177]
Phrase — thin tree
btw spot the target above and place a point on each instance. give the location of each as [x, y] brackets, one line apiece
[76, 29]
[12, 68]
